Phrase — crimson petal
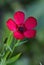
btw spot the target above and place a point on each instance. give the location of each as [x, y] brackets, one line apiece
[30, 33]
[30, 23]
[18, 35]
[19, 17]
[11, 25]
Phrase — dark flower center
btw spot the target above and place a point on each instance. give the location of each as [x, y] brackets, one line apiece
[21, 29]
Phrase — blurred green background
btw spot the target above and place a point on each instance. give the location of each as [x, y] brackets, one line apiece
[33, 50]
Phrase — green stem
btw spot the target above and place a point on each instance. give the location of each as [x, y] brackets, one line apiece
[15, 45]
[5, 57]
[8, 44]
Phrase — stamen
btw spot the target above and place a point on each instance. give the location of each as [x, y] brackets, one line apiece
[21, 29]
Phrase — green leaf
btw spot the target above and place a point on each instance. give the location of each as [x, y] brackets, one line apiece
[13, 59]
[6, 55]
[20, 43]
[8, 44]
[3, 62]
[9, 41]
[10, 37]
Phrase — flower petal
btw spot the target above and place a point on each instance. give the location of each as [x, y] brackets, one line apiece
[11, 25]
[30, 23]
[18, 35]
[19, 17]
[30, 33]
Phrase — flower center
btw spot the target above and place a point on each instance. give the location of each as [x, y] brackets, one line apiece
[21, 29]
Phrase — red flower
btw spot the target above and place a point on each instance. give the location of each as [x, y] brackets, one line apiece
[21, 28]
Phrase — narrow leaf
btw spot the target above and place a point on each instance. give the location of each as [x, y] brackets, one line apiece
[9, 41]
[13, 59]
[20, 43]
[17, 44]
